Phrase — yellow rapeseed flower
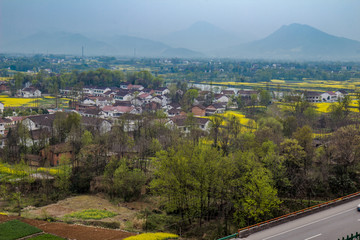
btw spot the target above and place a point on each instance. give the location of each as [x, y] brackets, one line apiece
[153, 236]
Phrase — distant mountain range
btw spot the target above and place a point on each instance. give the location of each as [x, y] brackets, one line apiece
[70, 43]
[201, 36]
[291, 42]
[297, 42]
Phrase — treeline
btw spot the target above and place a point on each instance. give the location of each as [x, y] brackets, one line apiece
[51, 83]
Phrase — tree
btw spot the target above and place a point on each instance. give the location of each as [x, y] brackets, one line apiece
[86, 138]
[344, 150]
[62, 179]
[294, 158]
[188, 98]
[128, 182]
[216, 122]
[255, 198]
[265, 97]
[269, 129]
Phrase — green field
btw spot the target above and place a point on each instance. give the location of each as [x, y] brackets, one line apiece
[15, 229]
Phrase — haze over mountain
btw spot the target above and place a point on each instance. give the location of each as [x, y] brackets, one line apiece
[298, 42]
[201, 36]
[72, 43]
[290, 42]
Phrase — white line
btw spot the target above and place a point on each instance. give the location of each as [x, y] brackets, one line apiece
[313, 237]
[308, 224]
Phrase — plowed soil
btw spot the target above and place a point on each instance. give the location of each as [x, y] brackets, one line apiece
[71, 231]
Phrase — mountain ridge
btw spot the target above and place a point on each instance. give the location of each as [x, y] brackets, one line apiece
[299, 41]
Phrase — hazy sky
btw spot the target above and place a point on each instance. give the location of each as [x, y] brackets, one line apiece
[251, 19]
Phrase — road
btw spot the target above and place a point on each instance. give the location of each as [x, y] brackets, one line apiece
[332, 223]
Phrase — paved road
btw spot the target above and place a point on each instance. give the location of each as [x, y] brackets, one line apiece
[333, 223]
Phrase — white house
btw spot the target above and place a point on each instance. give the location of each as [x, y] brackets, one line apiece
[182, 124]
[162, 91]
[221, 98]
[123, 96]
[111, 111]
[30, 92]
[320, 97]
[162, 100]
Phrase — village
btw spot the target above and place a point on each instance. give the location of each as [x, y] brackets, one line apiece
[101, 108]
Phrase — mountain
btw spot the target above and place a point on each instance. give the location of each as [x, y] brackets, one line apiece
[298, 42]
[201, 36]
[72, 43]
[57, 43]
[181, 53]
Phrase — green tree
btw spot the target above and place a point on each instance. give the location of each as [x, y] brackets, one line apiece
[265, 97]
[86, 138]
[62, 179]
[128, 182]
[255, 198]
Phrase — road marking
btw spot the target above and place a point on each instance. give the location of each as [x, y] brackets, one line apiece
[313, 236]
[307, 224]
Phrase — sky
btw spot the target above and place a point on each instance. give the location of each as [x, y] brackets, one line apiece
[248, 19]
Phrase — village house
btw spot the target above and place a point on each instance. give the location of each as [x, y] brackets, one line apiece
[29, 92]
[183, 123]
[112, 112]
[246, 94]
[124, 85]
[316, 97]
[99, 91]
[174, 112]
[123, 95]
[4, 86]
[96, 124]
[151, 107]
[162, 100]
[221, 98]
[215, 108]
[228, 93]
[90, 112]
[55, 153]
[135, 87]
[44, 121]
[198, 110]
[146, 97]
[162, 91]
[341, 94]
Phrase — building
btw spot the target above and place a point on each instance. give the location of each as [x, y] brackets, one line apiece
[30, 92]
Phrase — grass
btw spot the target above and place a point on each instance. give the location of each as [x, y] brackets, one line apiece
[153, 236]
[15, 229]
[91, 214]
[46, 237]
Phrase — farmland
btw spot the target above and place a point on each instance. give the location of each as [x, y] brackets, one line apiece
[291, 85]
[44, 102]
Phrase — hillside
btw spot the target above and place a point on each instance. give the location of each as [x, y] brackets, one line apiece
[298, 42]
